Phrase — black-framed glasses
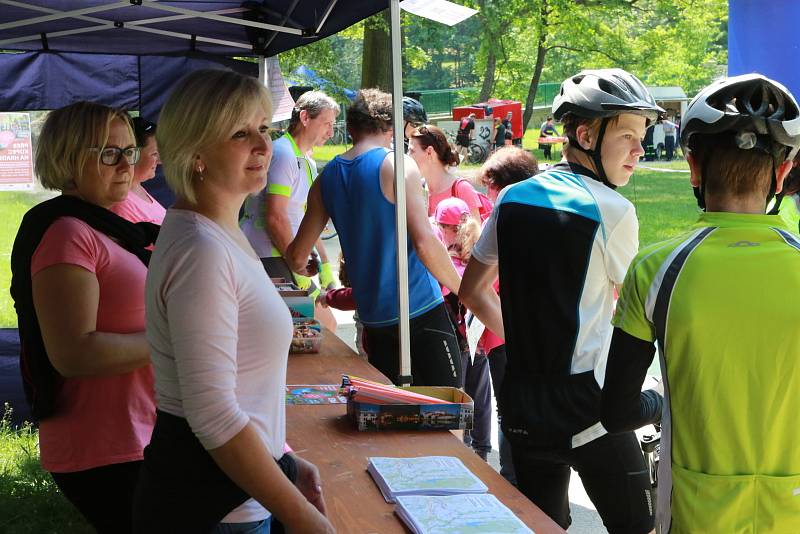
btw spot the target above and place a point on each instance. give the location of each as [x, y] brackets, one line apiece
[111, 155]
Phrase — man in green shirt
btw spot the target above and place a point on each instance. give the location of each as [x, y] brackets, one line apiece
[720, 303]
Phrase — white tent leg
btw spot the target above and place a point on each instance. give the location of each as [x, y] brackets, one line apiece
[400, 196]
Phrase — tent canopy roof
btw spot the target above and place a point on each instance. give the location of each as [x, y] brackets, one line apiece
[156, 27]
[672, 93]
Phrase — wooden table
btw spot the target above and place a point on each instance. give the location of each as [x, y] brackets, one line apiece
[324, 435]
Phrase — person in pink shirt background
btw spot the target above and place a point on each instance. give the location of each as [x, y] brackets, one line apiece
[430, 149]
[139, 206]
[88, 295]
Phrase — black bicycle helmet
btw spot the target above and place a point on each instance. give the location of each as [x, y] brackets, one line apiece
[603, 93]
[413, 111]
[760, 112]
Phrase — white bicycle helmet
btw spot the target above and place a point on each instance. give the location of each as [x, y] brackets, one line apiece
[603, 93]
[747, 104]
[760, 112]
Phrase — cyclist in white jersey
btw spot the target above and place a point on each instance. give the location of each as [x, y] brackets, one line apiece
[557, 286]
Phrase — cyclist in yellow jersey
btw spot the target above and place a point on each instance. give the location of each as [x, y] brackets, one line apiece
[715, 302]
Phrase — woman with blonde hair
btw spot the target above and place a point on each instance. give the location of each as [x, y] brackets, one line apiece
[218, 331]
[78, 276]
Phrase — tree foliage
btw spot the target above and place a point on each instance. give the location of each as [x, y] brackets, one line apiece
[664, 42]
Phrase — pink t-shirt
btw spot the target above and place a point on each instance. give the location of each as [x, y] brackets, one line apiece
[100, 420]
[489, 340]
[463, 190]
[135, 209]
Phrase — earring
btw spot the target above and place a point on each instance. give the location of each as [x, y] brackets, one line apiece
[200, 170]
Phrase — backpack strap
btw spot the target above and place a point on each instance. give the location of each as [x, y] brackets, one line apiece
[455, 184]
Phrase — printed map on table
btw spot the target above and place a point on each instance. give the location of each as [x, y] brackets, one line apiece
[425, 475]
[458, 514]
[314, 394]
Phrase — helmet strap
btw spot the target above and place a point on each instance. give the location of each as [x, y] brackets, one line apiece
[700, 191]
[595, 153]
[772, 187]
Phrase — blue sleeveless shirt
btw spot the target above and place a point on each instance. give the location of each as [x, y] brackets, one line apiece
[365, 222]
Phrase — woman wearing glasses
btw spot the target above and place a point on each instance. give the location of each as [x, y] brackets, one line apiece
[79, 293]
[430, 149]
[140, 206]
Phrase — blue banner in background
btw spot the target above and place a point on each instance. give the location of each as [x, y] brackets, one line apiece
[763, 37]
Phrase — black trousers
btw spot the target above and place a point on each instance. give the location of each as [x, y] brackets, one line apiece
[103, 495]
[477, 386]
[181, 488]
[613, 473]
[669, 146]
[435, 354]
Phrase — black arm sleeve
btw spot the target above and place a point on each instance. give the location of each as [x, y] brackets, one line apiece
[624, 405]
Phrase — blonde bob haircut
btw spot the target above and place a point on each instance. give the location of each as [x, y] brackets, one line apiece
[204, 108]
[66, 137]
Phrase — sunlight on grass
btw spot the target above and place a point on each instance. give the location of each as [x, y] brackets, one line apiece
[29, 499]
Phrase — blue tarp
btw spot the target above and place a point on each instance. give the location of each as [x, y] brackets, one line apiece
[763, 37]
[50, 80]
[303, 75]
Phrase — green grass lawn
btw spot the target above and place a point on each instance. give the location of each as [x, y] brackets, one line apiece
[30, 502]
[13, 205]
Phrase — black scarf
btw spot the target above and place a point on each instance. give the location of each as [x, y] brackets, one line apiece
[40, 379]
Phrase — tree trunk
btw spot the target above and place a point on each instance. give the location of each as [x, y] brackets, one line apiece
[541, 51]
[488, 75]
[486, 15]
[376, 65]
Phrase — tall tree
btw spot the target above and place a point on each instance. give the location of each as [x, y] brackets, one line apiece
[376, 65]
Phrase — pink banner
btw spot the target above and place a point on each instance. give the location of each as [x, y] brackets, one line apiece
[16, 151]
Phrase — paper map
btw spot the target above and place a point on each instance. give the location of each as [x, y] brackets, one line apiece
[458, 514]
[426, 475]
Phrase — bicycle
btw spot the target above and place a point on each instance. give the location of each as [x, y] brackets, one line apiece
[476, 154]
[650, 442]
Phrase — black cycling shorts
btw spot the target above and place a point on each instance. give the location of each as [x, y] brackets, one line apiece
[435, 353]
[613, 472]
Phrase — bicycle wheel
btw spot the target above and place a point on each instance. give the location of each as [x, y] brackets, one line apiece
[477, 154]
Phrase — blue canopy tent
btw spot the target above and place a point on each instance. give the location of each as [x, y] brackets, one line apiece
[130, 52]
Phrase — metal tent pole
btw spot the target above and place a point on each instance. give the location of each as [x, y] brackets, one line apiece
[400, 195]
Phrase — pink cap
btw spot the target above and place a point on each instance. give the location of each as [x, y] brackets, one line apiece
[450, 211]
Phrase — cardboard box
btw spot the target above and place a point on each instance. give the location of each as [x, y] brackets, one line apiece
[457, 414]
[298, 300]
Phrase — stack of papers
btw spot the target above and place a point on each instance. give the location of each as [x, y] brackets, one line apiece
[363, 390]
[426, 475]
[458, 514]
